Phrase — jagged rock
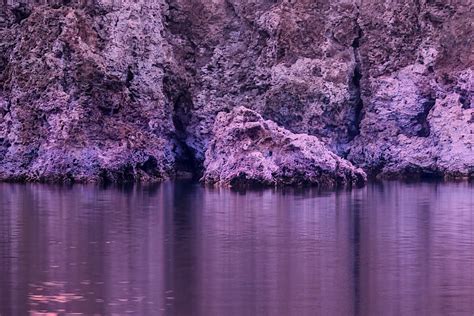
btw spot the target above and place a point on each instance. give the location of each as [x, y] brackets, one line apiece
[248, 150]
[293, 62]
[387, 85]
[81, 94]
[409, 131]
[100, 89]
[417, 87]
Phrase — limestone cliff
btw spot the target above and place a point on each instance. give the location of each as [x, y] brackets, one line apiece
[130, 90]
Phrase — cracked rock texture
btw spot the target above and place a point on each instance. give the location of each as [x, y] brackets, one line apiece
[248, 150]
[130, 90]
[81, 95]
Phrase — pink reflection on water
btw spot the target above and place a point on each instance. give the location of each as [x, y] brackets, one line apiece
[181, 249]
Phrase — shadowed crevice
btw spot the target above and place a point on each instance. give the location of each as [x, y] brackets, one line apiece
[354, 128]
[424, 128]
[185, 157]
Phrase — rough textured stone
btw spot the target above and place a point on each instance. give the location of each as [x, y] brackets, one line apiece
[102, 89]
[82, 94]
[248, 150]
[418, 86]
[387, 85]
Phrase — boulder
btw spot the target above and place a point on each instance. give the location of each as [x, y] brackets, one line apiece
[247, 150]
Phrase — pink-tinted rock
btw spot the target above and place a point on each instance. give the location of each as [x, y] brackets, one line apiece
[248, 150]
[417, 89]
[81, 95]
[388, 85]
[130, 90]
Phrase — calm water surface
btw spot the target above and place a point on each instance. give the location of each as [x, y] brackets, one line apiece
[181, 249]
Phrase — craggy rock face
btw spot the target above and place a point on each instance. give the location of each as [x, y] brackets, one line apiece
[81, 94]
[417, 118]
[247, 150]
[116, 90]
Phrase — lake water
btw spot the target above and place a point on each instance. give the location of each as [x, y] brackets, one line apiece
[181, 249]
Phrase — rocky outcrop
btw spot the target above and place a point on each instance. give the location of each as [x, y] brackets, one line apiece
[247, 150]
[81, 94]
[417, 118]
[130, 90]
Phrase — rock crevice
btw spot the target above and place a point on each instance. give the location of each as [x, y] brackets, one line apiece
[356, 83]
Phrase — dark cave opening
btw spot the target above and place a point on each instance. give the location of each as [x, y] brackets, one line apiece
[187, 166]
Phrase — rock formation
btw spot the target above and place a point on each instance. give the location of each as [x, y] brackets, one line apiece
[247, 150]
[81, 94]
[130, 90]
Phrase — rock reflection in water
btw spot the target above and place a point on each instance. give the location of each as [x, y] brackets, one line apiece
[181, 249]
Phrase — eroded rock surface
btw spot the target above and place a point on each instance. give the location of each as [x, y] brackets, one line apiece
[81, 94]
[93, 90]
[417, 118]
[248, 150]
